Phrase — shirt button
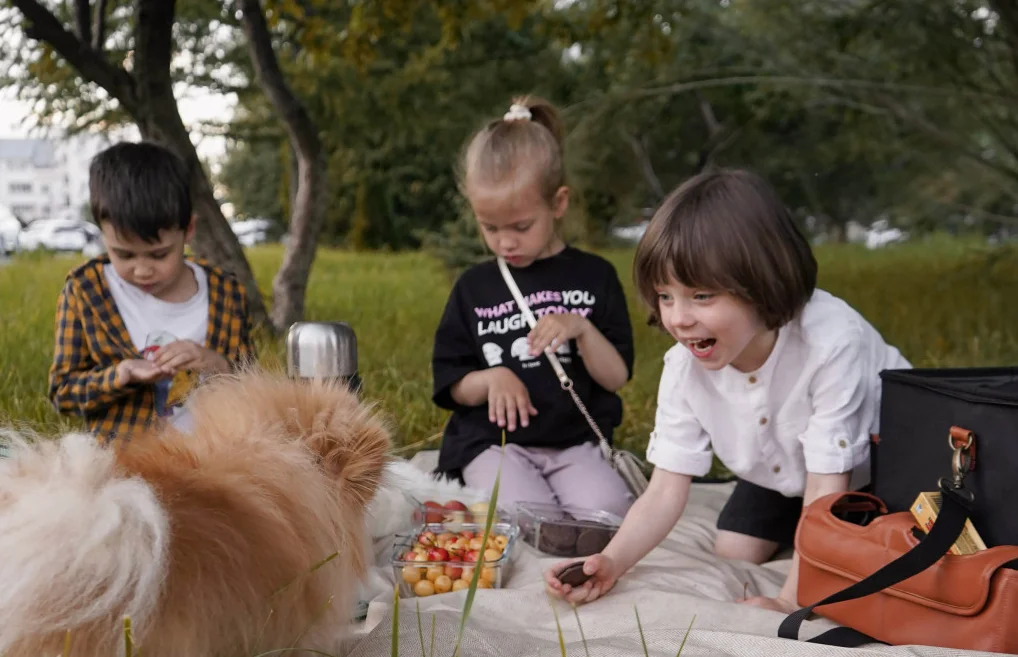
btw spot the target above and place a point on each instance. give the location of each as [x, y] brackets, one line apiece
[752, 379]
[842, 444]
[763, 420]
[776, 469]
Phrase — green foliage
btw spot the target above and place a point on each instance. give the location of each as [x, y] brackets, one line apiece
[944, 303]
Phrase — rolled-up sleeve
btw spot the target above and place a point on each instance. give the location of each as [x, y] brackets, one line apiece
[678, 443]
[837, 438]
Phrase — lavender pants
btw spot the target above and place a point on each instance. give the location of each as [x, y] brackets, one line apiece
[578, 476]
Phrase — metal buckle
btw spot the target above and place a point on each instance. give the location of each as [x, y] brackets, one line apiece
[961, 461]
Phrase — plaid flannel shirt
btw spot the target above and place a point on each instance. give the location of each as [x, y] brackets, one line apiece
[91, 339]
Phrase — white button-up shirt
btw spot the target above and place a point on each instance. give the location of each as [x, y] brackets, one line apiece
[811, 407]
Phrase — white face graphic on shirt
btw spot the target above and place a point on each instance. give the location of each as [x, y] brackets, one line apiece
[521, 349]
[492, 353]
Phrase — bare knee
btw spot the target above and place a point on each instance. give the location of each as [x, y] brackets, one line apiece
[740, 547]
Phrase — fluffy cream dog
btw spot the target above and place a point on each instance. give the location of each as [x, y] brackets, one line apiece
[209, 542]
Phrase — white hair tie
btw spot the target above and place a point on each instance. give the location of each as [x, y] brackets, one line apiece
[517, 113]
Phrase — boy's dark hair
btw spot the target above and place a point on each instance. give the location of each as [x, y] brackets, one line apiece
[140, 189]
[727, 230]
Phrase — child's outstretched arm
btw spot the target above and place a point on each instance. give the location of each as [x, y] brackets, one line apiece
[648, 522]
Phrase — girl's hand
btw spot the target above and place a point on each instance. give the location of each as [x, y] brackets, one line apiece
[553, 330]
[508, 398]
[600, 567]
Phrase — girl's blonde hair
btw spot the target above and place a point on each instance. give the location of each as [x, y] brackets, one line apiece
[527, 140]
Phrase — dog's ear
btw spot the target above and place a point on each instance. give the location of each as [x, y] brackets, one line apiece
[351, 439]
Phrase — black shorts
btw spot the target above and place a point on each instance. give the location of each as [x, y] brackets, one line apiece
[761, 512]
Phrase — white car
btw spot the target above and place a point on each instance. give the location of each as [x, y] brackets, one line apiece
[250, 232]
[62, 236]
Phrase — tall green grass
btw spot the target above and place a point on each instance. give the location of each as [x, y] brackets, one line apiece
[942, 302]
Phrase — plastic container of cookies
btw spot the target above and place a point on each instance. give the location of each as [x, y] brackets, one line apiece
[440, 557]
[565, 531]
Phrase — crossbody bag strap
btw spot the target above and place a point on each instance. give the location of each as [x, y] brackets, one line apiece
[564, 380]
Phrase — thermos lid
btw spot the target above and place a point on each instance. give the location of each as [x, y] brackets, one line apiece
[321, 350]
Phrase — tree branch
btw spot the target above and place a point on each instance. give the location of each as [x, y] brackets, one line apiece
[99, 26]
[81, 16]
[640, 151]
[44, 26]
[291, 110]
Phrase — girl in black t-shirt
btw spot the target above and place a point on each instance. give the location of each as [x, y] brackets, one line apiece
[489, 367]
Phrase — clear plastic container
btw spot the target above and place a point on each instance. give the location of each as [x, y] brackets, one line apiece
[462, 509]
[565, 531]
[442, 569]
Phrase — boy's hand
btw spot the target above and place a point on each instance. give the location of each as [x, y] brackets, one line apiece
[600, 567]
[136, 370]
[555, 330]
[187, 355]
[507, 398]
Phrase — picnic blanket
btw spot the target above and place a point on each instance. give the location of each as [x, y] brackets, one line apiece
[679, 580]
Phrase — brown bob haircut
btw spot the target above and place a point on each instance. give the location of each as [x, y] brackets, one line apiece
[728, 231]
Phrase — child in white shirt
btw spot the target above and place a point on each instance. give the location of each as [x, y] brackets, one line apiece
[779, 379]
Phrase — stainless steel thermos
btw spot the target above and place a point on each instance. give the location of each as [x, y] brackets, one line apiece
[323, 350]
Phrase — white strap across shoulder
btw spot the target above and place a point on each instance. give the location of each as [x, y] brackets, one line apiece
[567, 383]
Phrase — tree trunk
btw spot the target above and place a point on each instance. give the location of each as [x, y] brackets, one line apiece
[289, 288]
[146, 94]
[214, 240]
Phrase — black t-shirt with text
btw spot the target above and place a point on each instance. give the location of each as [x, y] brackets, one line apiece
[482, 327]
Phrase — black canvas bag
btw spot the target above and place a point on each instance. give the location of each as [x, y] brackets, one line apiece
[917, 411]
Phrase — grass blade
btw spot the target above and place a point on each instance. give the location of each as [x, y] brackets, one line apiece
[583, 639]
[558, 627]
[431, 653]
[67, 644]
[307, 572]
[395, 620]
[688, 630]
[128, 641]
[479, 566]
[639, 626]
[420, 629]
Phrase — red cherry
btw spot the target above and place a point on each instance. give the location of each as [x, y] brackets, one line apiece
[433, 512]
[454, 572]
[438, 554]
[455, 505]
[471, 556]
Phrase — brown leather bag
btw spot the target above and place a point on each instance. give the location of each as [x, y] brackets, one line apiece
[961, 601]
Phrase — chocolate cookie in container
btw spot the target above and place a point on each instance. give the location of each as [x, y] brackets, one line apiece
[565, 531]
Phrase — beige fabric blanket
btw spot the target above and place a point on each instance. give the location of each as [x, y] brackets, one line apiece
[677, 580]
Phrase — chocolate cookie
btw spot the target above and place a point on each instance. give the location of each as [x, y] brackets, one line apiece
[573, 575]
[592, 540]
[559, 540]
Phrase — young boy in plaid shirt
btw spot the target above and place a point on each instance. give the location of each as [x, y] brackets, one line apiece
[138, 327]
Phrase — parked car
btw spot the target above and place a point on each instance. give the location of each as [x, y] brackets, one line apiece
[254, 231]
[61, 236]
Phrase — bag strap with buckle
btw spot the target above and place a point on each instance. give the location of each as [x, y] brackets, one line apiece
[956, 507]
[564, 380]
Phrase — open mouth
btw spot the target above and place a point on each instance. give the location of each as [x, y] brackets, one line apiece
[702, 347]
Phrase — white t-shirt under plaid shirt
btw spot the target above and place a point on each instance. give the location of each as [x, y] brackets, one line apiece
[811, 407]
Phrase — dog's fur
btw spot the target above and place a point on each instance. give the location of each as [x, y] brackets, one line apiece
[208, 542]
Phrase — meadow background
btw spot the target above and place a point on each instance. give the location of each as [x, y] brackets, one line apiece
[944, 302]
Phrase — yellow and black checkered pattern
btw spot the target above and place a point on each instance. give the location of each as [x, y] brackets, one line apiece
[91, 339]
